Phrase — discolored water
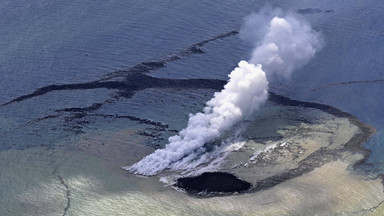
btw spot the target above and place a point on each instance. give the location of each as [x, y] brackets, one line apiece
[61, 153]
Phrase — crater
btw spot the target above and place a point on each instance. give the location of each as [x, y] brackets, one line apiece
[213, 183]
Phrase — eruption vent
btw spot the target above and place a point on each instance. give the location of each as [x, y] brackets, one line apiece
[282, 45]
[245, 92]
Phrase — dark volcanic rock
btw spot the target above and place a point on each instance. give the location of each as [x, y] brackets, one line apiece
[213, 183]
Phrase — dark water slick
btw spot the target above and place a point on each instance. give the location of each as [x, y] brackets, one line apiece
[213, 183]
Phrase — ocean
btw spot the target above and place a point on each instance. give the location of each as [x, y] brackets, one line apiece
[63, 146]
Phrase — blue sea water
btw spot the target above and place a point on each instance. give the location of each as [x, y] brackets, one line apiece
[46, 42]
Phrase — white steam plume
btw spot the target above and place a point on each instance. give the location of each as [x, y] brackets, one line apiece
[242, 95]
[283, 44]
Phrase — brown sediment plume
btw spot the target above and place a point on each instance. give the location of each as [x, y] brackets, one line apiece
[315, 159]
[135, 79]
[323, 155]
